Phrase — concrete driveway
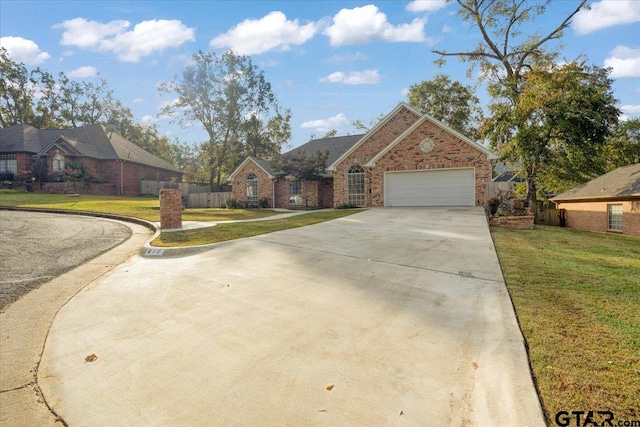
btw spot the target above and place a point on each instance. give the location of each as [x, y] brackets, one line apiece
[391, 316]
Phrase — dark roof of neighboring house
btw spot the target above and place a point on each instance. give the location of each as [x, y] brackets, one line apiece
[336, 146]
[507, 176]
[89, 141]
[619, 183]
[264, 164]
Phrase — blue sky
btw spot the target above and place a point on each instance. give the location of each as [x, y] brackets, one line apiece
[330, 62]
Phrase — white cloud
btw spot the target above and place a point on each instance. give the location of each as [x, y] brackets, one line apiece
[630, 109]
[23, 50]
[88, 34]
[325, 125]
[364, 24]
[149, 120]
[146, 37]
[137, 100]
[606, 13]
[271, 32]
[348, 57]
[447, 29]
[418, 6]
[83, 72]
[366, 77]
[624, 61]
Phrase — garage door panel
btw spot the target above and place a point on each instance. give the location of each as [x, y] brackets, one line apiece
[446, 187]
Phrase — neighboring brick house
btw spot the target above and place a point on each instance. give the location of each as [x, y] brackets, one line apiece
[117, 161]
[407, 159]
[609, 203]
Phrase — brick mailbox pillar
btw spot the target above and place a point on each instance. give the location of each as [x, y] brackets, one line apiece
[170, 208]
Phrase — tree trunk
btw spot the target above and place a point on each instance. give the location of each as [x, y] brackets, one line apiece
[532, 196]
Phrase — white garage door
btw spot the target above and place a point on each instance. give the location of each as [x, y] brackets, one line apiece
[444, 187]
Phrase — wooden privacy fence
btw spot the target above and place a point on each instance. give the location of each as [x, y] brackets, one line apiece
[207, 200]
[492, 189]
[154, 187]
[548, 216]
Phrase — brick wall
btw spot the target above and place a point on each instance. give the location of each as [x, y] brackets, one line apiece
[519, 222]
[265, 185]
[449, 152]
[107, 169]
[318, 194]
[170, 208]
[374, 143]
[592, 216]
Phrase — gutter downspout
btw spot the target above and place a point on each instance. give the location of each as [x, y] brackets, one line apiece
[122, 177]
[273, 193]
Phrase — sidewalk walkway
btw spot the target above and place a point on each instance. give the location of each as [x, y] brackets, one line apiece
[191, 225]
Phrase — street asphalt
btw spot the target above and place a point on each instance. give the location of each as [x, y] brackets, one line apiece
[390, 316]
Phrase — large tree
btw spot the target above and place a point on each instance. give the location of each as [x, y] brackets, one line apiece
[505, 55]
[503, 52]
[26, 96]
[35, 97]
[623, 145]
[556, 131]
[449, 101]
[229, 96]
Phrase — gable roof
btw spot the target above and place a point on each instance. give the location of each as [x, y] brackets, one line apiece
[385, 119]
[623, 182]
[336, 146]
[88, 141]
[427, 117]
[265, 165]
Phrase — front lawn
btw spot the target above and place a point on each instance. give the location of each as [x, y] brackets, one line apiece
[223, 232]
[147, 208]
[577, 298]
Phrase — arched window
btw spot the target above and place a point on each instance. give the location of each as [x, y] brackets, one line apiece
[252, 190]
[57, 163]
[355, 186]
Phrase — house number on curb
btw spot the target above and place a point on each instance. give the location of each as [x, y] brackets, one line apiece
[156, 252]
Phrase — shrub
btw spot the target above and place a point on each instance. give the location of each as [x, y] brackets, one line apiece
[264, 202]
[7, 176]
[347, 206]
[232, 204]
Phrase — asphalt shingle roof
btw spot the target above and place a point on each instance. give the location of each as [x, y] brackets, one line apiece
[90, 141]
[621, 182]
[336, 146]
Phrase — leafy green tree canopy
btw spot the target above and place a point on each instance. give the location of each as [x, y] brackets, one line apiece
[556, 132]
[232, 100]
[448, 101]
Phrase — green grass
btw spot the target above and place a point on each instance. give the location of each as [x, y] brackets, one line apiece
[147, 208]
[223, 232]
[577, 298]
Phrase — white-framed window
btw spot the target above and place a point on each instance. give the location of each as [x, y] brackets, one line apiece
[614, 217]
[57, 163]
[295, 192]
[355, 186]
[9, 166]
[252, 190]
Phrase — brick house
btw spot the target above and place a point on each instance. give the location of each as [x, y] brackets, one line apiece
[117, 162]
[607, 204]
[407, 159]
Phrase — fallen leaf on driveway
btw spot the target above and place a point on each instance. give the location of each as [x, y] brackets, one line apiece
[330, 387]
[91, 358]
